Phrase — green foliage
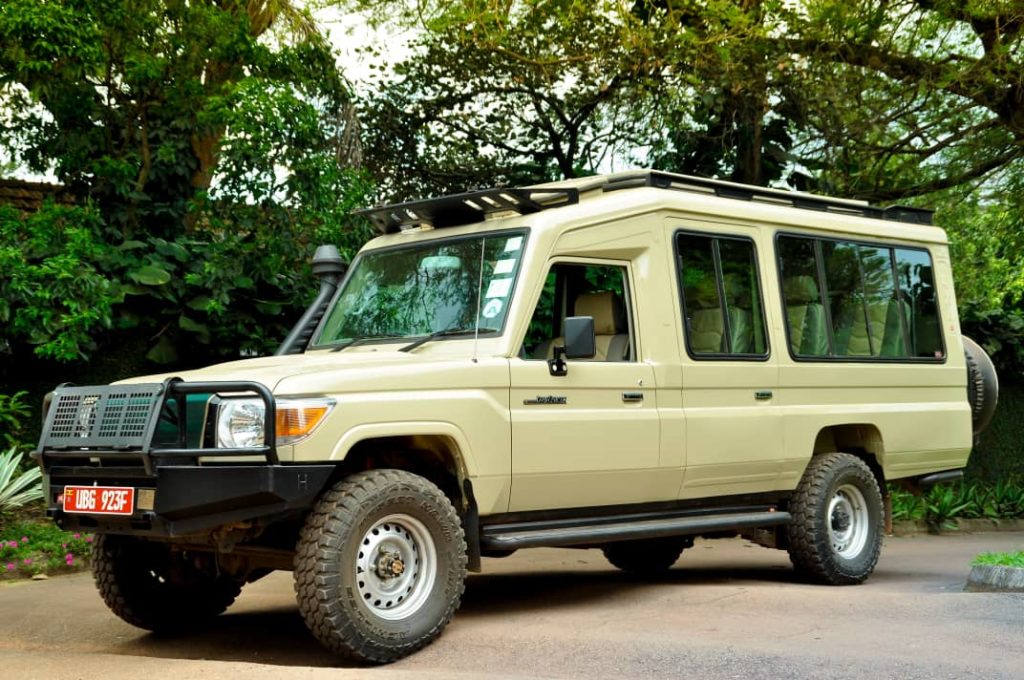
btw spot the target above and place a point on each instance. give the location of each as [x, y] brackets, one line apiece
[944, 502]
[860, 94]
[909, 98]
[30, 548]
[16, 491]
[210, 145]
[13, 414]
[999, 454]
[55, 293]
[1007, 559]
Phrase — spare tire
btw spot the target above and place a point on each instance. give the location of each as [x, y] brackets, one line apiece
[982, 385]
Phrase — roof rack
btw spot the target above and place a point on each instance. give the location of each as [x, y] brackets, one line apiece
[748, 192]
[468, 208]
[476, 206]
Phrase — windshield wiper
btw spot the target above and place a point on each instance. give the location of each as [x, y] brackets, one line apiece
[361, 339]
[444, 333]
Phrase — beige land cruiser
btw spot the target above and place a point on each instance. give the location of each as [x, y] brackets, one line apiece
[622, 362]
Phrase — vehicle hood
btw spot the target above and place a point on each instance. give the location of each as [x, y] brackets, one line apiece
[318, 372]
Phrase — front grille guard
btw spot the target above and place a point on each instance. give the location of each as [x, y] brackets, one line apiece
[119, 422]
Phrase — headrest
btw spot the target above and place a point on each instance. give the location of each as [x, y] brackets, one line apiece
[800, 290]
[702, 293]
[606, 309]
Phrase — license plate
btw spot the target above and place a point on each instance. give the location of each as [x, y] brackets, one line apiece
[99, 500]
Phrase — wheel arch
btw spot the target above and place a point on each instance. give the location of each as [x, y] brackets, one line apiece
[863, 440]
[435, 451]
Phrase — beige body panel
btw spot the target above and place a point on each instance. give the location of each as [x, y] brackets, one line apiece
[698, 431]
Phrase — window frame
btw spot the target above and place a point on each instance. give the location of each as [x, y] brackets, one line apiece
[677, 265]
[823, 291]
[627, 301]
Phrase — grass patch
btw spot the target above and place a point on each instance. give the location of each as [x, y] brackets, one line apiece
[1007, 559]
[30, 547]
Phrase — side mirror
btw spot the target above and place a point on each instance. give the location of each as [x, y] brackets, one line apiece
[580, 343]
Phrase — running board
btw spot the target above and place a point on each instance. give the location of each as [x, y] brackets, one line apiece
[522, 535]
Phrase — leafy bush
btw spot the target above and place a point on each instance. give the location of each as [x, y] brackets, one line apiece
[55, 292]
[999, 454]
[30, 548]
[942, 503]
[17, 491]
[13, 413]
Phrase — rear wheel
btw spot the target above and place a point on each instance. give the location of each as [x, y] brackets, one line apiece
[380, 565]
[648, 556]
[151, 586]
[835, 535]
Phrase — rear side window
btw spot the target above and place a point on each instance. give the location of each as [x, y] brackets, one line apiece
[721, 295]
[845, 299]
[920, 303]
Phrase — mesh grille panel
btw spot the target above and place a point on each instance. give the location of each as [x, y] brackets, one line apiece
[101, 416]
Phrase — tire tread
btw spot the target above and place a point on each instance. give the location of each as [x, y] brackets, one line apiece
[326, 527]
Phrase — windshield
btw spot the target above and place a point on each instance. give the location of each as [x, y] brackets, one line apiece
[451, 285]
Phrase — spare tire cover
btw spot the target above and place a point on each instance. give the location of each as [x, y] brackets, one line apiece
[982, 385]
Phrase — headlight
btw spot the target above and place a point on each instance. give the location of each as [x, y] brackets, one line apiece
[240, 422]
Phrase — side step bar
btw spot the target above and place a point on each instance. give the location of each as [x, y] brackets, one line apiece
[538, 534]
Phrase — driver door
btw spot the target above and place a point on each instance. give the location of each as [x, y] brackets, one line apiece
[590, 437]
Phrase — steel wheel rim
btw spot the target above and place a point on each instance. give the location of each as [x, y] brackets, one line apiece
[396, 566]
[849, 522]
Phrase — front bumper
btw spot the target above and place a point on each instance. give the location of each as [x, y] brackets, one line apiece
[137, 436]
[189, 500]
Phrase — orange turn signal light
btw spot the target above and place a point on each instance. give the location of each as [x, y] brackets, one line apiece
[295, 421]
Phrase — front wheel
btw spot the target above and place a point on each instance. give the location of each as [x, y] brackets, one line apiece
[380, 565]
[835, 535]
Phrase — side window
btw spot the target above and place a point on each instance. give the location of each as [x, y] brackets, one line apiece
[917, 294]
[598, 291]
[847, 299]
[721, 294]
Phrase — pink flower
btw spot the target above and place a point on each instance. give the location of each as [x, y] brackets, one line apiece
[69, 558]
[77, 536]
[10, 566]
[24, 539]
[12, 544]
[28, 560]
[64, 545]
[88, 539]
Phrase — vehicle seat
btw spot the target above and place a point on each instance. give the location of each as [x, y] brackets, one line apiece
[741, 327]
[893, 341]
[610, 328]
[805, 316]
[704, 311]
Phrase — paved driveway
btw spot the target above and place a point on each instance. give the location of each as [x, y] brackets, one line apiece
[728, 610]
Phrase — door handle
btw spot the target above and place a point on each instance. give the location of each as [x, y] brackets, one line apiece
[763, 395]
[632, 396]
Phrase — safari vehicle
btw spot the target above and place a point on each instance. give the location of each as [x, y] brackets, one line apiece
[622, 362]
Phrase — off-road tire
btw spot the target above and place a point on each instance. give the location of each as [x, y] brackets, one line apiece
[152, 587]
[647, 557]
[835, 485]
[332, 587]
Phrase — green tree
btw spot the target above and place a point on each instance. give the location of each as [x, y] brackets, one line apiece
[911, 97]
[210, 146]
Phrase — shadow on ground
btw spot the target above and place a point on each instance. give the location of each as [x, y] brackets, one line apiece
[278, 636]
